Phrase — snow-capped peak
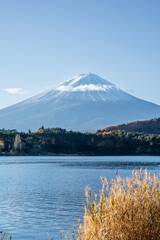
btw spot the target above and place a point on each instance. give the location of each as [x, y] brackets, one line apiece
[86, 102]
[86, 82]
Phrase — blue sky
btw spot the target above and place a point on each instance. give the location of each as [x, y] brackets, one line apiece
[44, 43]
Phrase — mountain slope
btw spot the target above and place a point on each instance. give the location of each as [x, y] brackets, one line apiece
[148, 127]
[85, 103]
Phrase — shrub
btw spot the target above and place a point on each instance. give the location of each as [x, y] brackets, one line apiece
[126, 209]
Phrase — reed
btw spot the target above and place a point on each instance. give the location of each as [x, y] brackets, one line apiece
[125, 209]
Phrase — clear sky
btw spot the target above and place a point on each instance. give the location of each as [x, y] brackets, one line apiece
[45, 42]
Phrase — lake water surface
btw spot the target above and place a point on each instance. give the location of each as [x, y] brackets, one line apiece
[41, 196]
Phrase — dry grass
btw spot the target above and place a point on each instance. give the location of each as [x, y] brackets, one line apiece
[127, 210]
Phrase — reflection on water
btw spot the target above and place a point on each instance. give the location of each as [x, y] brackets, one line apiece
[40, 196]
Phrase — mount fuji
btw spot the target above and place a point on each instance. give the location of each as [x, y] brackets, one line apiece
[86, 102]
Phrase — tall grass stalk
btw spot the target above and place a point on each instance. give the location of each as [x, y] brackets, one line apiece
[126, 209]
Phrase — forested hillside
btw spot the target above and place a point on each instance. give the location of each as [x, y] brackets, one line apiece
[149, 126]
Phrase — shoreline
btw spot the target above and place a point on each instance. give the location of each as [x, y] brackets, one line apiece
[77, 155]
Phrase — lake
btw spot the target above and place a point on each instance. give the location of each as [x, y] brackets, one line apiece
[41, 196]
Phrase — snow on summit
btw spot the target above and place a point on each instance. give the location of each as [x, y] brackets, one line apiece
[86, 82]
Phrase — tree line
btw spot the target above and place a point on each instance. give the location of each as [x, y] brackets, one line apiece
[52, 141]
